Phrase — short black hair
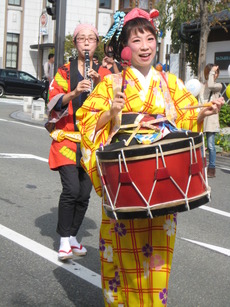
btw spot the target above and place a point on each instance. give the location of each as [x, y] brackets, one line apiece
[50, 56]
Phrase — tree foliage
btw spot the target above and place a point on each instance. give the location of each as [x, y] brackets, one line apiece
[70, 50]
[174, 13]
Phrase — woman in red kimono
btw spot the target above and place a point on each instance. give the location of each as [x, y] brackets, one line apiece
[68, 90]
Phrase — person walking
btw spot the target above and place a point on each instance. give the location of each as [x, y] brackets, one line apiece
[70, 87]
[136, 254]
[209, 92]
[49, 68]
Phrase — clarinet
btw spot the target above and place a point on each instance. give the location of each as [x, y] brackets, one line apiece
[87, 68]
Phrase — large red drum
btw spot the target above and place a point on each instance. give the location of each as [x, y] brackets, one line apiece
[144, 181]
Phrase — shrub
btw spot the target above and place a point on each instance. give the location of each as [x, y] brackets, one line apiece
[223, 140]
[224, 116]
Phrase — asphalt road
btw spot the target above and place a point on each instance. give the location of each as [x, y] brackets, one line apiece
[29, 271]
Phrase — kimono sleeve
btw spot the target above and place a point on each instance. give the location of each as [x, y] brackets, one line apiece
[57, 89]
[186, 119]
[87, 116]
[60, 83]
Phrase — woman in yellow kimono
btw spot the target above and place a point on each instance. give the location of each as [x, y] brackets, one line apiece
[136, 255]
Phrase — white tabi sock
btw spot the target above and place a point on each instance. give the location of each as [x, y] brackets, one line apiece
[73, 241]
[64, 244]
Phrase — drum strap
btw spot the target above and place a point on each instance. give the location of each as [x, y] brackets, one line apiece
[143, 124]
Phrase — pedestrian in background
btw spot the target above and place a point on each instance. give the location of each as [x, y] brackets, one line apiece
[109, 65]
[95, 60]
[49, 68]
[209, 92]
[70, 87]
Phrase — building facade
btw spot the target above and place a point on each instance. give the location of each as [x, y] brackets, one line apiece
[27, 32]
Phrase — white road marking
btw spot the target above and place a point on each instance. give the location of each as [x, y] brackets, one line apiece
[218, 249]
[217, 211]
[19, 102]
[223, 168]
[22, 156]
[21, 123]
[52, 256]
[73, 267]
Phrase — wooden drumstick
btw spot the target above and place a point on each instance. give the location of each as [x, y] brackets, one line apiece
[126, 56]
[204, 105]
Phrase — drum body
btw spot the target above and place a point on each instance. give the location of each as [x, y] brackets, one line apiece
[143, 181]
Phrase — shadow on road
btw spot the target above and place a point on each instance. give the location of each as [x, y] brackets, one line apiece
[48, 223]
[77, 291]
[225, 171]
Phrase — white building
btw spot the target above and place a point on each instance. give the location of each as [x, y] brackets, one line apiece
[27, 32]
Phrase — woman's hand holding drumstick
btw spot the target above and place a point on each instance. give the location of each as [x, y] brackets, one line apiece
[117, 105]
[214, 108]
[118, 102]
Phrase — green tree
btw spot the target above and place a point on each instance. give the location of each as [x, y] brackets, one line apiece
[70, 50]
[174, 13]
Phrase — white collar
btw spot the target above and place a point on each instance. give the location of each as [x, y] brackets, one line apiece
[144, 81]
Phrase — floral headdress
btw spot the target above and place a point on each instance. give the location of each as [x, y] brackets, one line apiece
[120, 19]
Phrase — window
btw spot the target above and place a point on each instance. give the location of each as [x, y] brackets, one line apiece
[126, 4]
[14, 2]
[12, 42]
[12, 74]
[105, 4]
[144, 4]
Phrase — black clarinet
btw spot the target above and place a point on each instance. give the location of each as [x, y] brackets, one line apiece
[87, 68]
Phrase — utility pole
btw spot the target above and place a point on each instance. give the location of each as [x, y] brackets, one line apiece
[60, 34]
[58, 13]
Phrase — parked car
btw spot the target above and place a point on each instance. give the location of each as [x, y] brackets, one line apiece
[20, 83]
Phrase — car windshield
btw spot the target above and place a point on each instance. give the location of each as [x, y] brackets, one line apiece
[25, 77]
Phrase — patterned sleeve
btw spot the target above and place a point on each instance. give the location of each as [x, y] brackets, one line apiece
[87, 116]
[186, 119]
[60, 82]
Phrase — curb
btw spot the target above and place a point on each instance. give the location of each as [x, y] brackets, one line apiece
[26, 117]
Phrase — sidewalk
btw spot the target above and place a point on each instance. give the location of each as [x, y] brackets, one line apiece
[27, 118]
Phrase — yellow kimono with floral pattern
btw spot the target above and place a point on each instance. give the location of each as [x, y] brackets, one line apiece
[136, 255]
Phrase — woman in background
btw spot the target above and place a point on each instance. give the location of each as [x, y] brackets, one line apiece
[209, 92]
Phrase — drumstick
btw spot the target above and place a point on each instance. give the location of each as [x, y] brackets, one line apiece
[205, 105]
[126, 56]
